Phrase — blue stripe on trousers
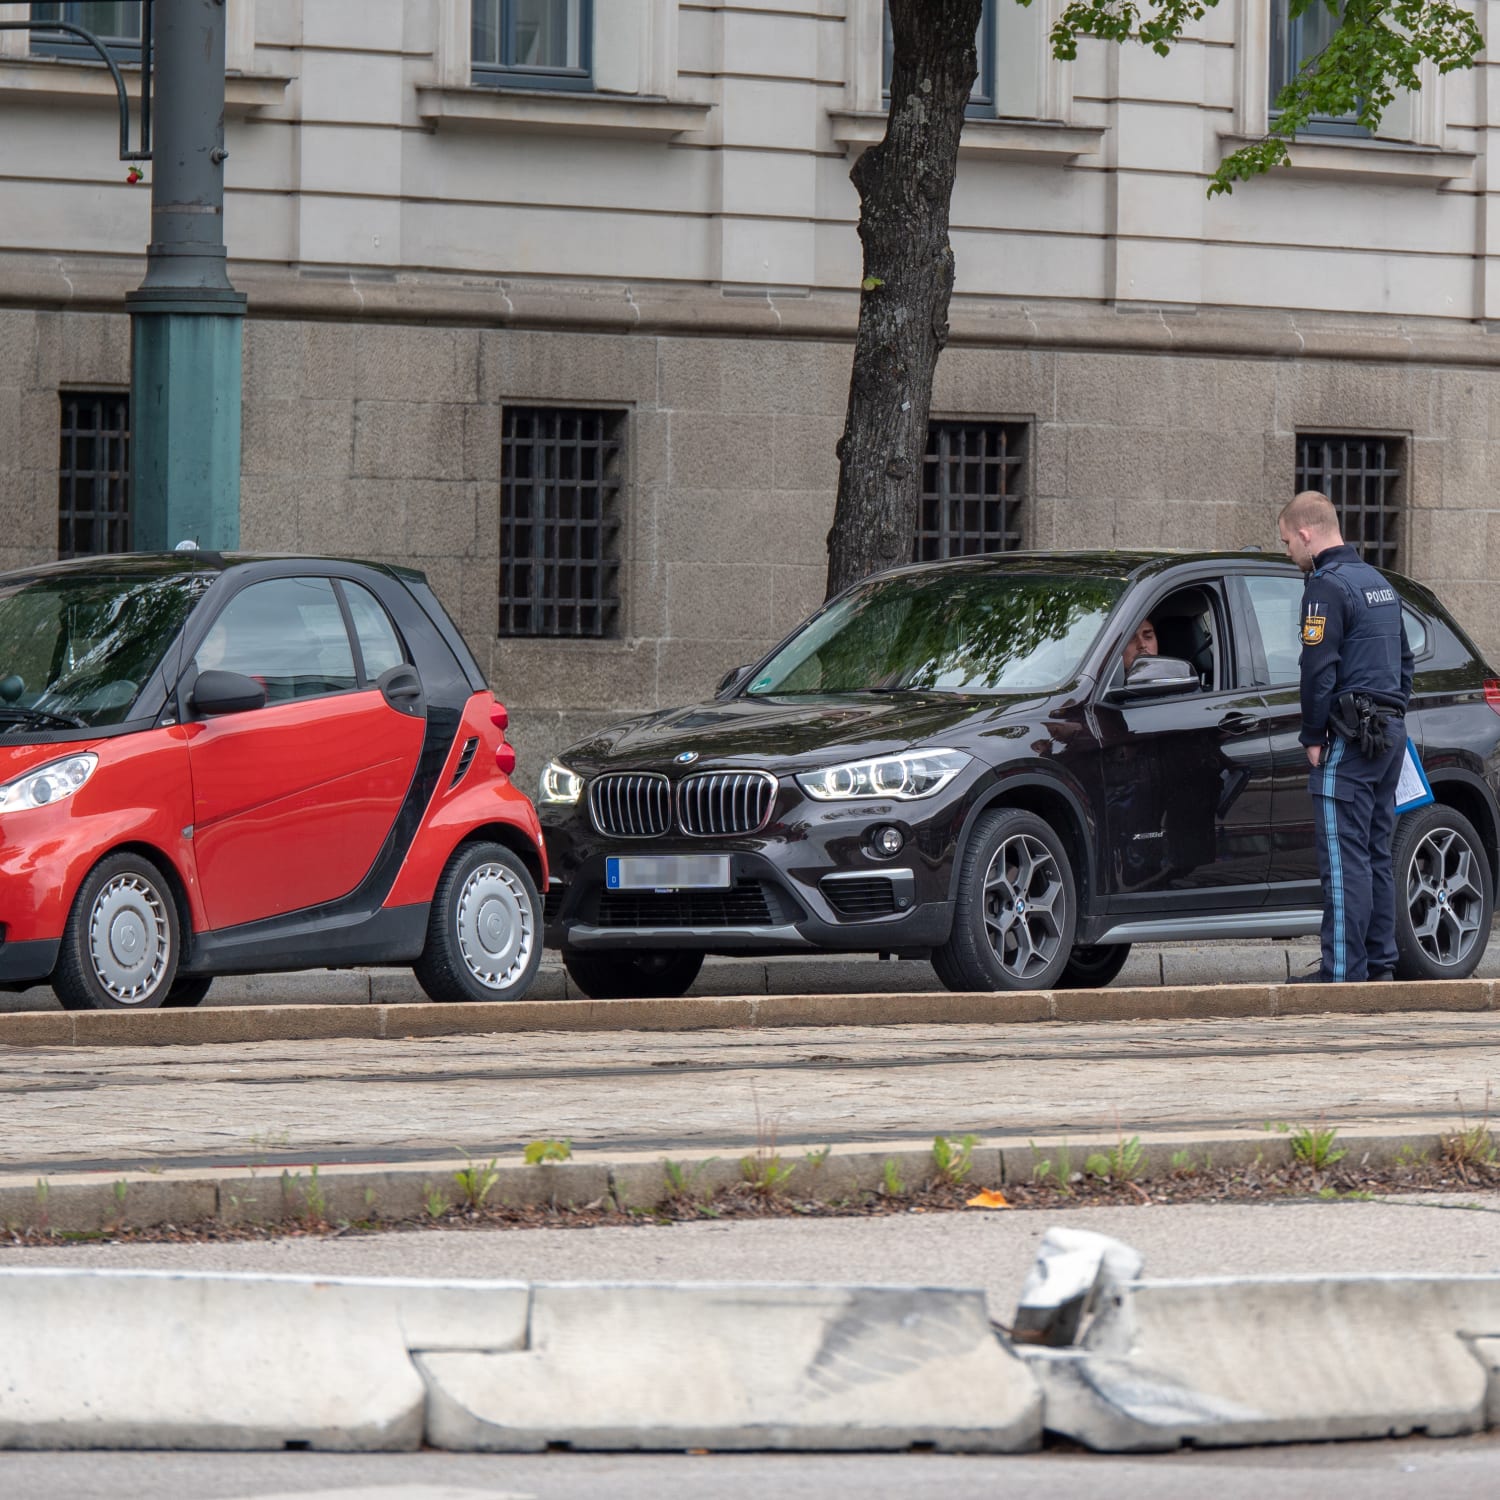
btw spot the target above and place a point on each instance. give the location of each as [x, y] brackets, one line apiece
[1335, 865]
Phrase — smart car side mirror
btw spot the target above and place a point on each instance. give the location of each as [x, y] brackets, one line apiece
[218, 692]
[1157, 676]
[731, 680]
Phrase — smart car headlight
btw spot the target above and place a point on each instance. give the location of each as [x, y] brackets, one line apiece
[560, 787]
[50, 784]
[918, 773]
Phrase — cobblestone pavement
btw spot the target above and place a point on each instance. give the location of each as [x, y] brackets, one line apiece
[279, 1102]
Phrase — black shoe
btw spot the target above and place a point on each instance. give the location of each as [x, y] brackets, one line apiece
[1316, 977]
[1381, 976]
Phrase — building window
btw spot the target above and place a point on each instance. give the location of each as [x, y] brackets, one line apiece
[1295, 42]
[559, 521]
[1362, 476]
[117, 23]
[972, 490]
[533, 44]
[982, 104]
[93, 474]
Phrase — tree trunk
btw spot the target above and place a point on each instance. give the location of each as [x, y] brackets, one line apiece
[904, 186]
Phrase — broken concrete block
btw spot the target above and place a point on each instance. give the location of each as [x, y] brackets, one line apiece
[740, 1368]
[1073, 1268]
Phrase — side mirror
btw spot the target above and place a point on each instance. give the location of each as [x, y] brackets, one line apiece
[1156, 676]
[217, 692]
[731, 680]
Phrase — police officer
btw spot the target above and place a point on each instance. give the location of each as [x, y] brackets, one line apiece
[1356, 682]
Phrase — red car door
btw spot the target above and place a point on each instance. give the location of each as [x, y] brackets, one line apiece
[292, 801]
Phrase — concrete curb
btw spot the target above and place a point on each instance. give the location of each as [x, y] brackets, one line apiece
[1278, 1360]
[285, 1023]
[70, 1203]
[120, 1359]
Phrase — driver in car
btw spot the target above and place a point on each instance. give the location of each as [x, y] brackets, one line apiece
[1142, 643]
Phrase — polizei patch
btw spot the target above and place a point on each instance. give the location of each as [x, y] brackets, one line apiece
[1314, 622]
[1380, 596]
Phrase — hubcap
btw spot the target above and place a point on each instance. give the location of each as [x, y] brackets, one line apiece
[496, 926]
[1025, 903]
[1444, 897]
[129, 939]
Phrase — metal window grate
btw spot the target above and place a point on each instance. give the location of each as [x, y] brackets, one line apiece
[973, 479]
[1362, 476]
[93, 474]
[559, 521]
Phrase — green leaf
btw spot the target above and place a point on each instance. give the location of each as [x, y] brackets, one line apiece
[871, 282]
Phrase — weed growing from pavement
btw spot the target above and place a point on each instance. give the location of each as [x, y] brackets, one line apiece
[1470, 1148]
[1060, 1175]
[1123, 1162]
[476, 1182]
[890, 1179]
[539, 1151]
[952, 1161]
[766, 1173]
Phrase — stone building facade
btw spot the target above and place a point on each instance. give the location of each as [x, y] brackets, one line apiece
[461, 273]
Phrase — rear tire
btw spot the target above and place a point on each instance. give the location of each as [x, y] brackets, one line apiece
[484, 934]
[119, 949]
[1445, 897]
[1017, 907]
[633, 974]
[1091, 966]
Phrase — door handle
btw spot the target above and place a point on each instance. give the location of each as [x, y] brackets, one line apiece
[1237, 723]
[402, 688]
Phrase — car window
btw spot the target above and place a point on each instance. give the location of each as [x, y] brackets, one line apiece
[1416, 631]
[82, 646]
[1277, 606]
[972, 633]
[378, 642]
[287, 633]
[1184, 624]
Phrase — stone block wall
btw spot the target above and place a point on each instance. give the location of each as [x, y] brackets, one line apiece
[383, 441]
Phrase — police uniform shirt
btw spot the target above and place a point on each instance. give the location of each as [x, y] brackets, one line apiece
[1353, 639]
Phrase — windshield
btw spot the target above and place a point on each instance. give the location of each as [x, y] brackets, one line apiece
[77, 648]
[971, 633]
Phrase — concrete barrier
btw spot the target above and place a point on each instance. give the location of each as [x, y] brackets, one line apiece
[741, 1368]
[150, 1359]
[1278, 1360]
[142, 1359]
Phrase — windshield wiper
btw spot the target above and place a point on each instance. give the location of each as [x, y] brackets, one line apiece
[11, 714]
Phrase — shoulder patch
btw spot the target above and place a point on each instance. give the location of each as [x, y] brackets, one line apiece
[1314, 622]
[1379, 596]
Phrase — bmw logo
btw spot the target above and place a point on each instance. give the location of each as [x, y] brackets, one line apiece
[687, 757]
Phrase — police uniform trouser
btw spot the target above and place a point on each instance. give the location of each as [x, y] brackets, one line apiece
[1354, 812]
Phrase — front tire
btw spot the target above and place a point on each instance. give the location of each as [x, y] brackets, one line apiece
[119, 949]
[1017, 907]
[630, 974]
[484, 934]
[1091, 966]
[1444, 894]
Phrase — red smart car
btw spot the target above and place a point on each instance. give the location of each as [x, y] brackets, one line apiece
[226, 764]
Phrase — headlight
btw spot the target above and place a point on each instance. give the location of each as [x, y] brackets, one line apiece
[51, 784]
[559, 787]
[918, 773]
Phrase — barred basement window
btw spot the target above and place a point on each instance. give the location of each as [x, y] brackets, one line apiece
[93, 474]
[973, 478]
[1362, 476]
[559, 521]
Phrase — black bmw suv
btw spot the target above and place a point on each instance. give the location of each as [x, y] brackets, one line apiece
[952, 761]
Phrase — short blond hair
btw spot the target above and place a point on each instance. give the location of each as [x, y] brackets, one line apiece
[1311, 510]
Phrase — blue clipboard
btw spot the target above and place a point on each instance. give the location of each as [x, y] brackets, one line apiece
[1413, 790]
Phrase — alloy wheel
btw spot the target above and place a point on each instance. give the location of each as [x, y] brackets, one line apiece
[1445, 896]
[1025, 902]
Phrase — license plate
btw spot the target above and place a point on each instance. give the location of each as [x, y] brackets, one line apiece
[667, 872]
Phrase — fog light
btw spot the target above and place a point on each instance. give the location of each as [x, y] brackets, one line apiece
[887, 842]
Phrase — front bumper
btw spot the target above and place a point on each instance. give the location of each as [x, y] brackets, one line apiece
[805, 882]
